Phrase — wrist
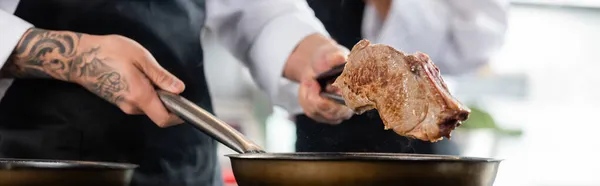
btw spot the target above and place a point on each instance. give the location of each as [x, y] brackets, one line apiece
[44, 54]
[298, 65]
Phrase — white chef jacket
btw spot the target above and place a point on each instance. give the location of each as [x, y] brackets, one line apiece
[260, 33]
[458, 35]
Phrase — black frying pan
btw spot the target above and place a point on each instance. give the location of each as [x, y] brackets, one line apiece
[27, 172]
[255, 167]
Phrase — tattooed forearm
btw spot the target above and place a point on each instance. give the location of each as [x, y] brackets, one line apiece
[57, 54]
[43, 54]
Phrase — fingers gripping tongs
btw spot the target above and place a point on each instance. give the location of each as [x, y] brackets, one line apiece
[328, 77]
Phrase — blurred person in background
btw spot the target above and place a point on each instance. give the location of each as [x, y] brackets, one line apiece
[84, 75]
[459, 35]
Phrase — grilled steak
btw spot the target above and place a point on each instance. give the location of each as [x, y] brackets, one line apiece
[407, 90]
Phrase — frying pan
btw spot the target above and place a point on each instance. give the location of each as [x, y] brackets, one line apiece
[28, 172]
[253, 166]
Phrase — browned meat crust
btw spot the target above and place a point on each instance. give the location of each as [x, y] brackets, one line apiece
[407, 90]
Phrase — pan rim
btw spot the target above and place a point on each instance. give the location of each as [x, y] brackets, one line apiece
[16, 163]
[309, 156]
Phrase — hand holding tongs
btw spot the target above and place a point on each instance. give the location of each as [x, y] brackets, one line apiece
[329, 77]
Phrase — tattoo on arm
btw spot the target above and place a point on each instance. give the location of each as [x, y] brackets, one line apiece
[43, 54]
[55, 54]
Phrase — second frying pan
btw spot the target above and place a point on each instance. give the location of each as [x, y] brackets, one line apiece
[31, 172]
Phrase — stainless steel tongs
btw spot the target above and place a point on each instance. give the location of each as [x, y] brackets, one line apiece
[328, 77]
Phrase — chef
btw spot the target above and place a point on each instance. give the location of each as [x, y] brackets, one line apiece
[82, 76]
[459, 35]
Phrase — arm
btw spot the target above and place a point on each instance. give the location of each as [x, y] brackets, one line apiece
[460, 35]
[263, 34]
[43, 54]
[115, 68]
[29, 52]
[280, 38]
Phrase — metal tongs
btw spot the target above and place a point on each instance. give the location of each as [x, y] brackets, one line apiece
[328, 77]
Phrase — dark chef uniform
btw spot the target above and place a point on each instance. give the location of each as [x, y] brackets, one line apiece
[362, 133]
[51, 119]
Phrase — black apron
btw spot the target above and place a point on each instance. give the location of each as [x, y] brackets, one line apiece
[361, 133]
[48, 119]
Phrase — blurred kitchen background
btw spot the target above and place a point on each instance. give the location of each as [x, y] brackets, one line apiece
[535, 105]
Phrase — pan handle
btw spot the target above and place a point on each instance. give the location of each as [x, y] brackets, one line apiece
[208, 123]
